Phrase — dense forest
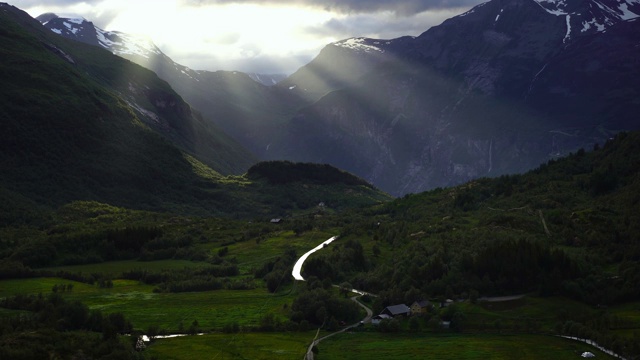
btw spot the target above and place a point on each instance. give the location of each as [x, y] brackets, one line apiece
[284, 172]
[555, 230]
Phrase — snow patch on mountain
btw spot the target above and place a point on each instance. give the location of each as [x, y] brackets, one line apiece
[553, 7]
[77, 21]
[586, 25]
[568, 34]
[71, 28]
[117, 42]
[592, 15]
[126, 44]
[627, 14]
[134, 45]
[358, 44]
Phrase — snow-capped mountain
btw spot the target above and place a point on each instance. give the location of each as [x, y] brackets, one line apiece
[498, 89]
[221, 96]
[136, 48]
[81, 29]
[588, 16]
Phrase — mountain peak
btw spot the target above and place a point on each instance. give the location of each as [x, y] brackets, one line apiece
[362, 44]
[46, 17]
[80, 29]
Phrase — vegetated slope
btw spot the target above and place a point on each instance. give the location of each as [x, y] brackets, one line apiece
[566, 228]
[155, 101]
[65, 136]
[77, 126]
[283, 172]
[239, 104]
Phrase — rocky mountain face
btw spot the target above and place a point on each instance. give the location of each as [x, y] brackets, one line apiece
[245, 106]
[496, 90]
[499, 89]
[267, 79]
[81, 123]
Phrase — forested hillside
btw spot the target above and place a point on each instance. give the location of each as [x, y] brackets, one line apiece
[568, 227]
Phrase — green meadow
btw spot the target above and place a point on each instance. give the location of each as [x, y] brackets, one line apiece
[373, 346]
[144, 308]
[255, 346]
[116, 268]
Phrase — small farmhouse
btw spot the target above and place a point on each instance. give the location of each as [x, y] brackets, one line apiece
[378, 318]
[396, 310]
[276, 221]
[420, 307]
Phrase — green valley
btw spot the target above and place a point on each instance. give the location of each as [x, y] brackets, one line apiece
[126, 216]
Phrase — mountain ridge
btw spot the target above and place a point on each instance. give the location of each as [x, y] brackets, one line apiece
[500, 102]
[82, 124]
[486, 113]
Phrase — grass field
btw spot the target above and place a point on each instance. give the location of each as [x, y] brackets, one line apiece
[116, 268]
[250, 253]
[138, 302]
[255, 346]
[373, 346]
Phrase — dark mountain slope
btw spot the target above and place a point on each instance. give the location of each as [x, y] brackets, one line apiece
[76, 125]
[154, 100]
[66, 137]
[496, 90]
[235, 102]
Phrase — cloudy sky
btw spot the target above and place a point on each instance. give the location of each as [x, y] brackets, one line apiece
[254, 35]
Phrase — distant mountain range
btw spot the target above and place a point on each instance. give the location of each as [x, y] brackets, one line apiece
[243, 105]
[81, 124]
[498, 89]
[138, 49]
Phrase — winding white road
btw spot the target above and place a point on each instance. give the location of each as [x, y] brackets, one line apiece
[298, 266]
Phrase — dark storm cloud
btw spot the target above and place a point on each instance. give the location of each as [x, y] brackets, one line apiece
[370, 26]
[400, 7]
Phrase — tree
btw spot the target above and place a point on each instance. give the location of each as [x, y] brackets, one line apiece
[193, 329]
[376, 250]
[345, 288]
[386, 325]
[473, 296]
[414, 324]
[153, 331]
[458, 321]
